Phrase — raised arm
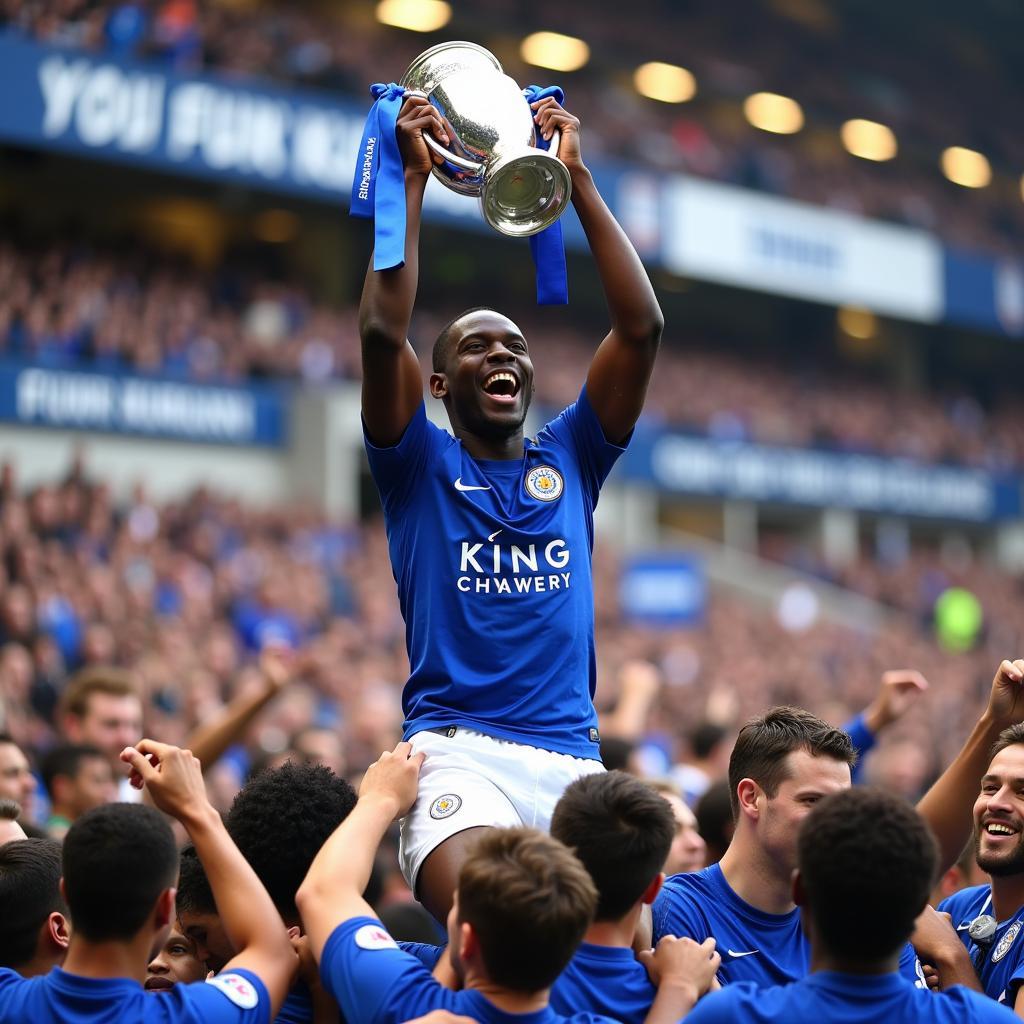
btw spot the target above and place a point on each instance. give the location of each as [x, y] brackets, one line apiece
[209, 740]
[332, 891]
[948, 805]
[174, 780]
[621, 368]
[392, 383]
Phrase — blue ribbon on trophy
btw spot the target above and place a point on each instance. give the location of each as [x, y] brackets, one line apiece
[547, 246]
[378, 187]
[378, 193]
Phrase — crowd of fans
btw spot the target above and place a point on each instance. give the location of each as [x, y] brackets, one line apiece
[72, 304]
[841, 65]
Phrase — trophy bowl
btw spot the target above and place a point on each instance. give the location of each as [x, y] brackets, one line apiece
[492, 153]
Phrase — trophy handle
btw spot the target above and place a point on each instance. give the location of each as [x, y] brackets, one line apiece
[556, 138]
[469, 166]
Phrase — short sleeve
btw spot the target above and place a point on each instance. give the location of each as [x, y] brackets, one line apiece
[579, 429]
[235, 997]
[675, 912]
[373, 980]
[427, 953]
[398, 470]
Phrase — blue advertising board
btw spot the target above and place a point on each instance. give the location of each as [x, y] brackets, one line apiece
[147, 406]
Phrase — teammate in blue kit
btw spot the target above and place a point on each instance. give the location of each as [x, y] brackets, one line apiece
[989, 919]
[521, 908]
[490, 533]
[120, 868]
[621, 830]
[781, 766]
[866, 861]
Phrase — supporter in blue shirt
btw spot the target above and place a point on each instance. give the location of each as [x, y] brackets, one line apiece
[521, 908]
[120, 866]
[621, 829]
[490, 533]
[996, 911]
[279, 820]
[781, 766]
[866, 862]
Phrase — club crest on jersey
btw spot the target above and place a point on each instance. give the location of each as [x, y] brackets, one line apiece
[544, 483]
[237, 988]
[445, 806]
[1003, 945]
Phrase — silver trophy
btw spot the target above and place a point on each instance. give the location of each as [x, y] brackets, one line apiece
[493, 137]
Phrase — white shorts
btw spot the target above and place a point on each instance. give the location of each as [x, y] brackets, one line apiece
[469, 780]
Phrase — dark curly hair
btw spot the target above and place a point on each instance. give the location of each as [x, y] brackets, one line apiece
[867, 864]
[281, 818]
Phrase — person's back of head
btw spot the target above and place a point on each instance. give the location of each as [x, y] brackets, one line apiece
[705, 737]
[867, 863]
[715, 822]
[621, 830]
[33, 922]
[281, 818]
[10, 830]
[529, 901]
[764, 744]
[118, 860]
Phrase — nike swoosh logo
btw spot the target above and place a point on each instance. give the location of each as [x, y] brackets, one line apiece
[736, 956]
[493, 535]
[963, 927]
[460, 486]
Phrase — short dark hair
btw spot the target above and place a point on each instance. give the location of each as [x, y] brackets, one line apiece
[867, 863]
[194, 893]
[29, 892]
[1007, 738]
[621, 830]
[765, 743]
[67, 760]
[529, 901]
[281, 818]
[715, 820]
[10, 810]
[118, 858]
[705, 737]
[439, 354]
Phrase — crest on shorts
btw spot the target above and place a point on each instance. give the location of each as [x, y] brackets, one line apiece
[445, 806]
[1004, 944]
[544, 483]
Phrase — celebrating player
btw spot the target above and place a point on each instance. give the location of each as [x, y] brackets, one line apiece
[490, 533]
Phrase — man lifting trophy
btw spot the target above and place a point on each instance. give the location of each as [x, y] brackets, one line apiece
[490, 533]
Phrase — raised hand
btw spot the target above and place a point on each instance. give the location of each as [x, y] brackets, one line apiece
[417, 116]
[393, 777]
[899, 689]
[551, 116]
[1006, 701]
[172, 776]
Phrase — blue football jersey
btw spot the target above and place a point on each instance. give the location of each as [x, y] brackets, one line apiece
[238, 997]
[1001, 966]
[375, 982]
[847, 999]
[607, 980]
[493, 565]
[766, 949]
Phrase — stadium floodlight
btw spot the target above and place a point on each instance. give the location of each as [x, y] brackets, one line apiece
[773, 113]
[857, 322]
[966, 167]
[668, 83]
[868, 139]
[555, 51]
[414, 15]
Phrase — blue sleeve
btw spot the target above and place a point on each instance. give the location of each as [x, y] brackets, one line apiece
[375, 981]
[726, 1006]
[235, 997]
[910, 967]
[398, 470]
[425, 952]
[675, 912]
[863, 740]
[578, 429]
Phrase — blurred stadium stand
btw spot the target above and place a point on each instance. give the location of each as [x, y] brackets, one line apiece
[833, 436]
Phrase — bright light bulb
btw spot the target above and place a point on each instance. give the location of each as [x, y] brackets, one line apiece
[665, 82]
[555, 51]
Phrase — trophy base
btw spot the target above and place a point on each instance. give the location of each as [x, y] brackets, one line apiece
[525, 194]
